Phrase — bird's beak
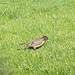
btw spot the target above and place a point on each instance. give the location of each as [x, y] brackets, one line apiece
[47, 40]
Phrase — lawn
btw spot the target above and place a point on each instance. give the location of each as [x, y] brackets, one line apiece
[24, 20]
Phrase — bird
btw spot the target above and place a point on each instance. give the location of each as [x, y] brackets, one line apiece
[37, 43]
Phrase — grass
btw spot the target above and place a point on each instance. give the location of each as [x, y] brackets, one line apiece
[24, 20]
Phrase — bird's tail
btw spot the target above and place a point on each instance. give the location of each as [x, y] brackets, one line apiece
[22, 46]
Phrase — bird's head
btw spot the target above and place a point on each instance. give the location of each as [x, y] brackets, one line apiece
[45, 38]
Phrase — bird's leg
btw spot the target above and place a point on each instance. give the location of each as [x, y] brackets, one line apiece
[34, 48]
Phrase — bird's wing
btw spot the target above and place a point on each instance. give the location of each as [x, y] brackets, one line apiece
[37, 42]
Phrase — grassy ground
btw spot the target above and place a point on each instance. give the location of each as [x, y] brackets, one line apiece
[24, 20]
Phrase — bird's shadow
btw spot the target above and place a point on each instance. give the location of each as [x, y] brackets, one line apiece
[29, 48]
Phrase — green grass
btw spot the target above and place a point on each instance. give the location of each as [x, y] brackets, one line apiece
[24, 20]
